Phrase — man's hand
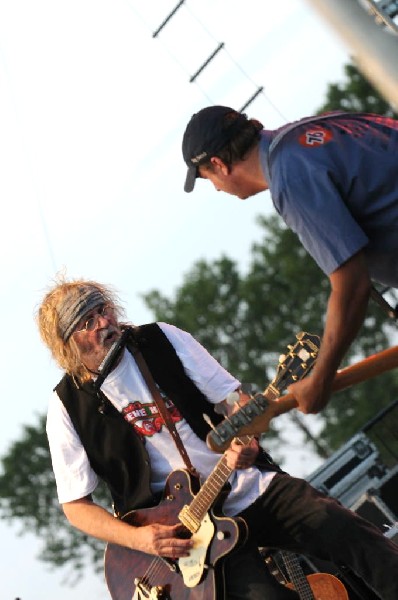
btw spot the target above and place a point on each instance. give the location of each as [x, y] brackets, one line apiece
[242, 457]
[170, 541]
[311, 397]
[162, 540]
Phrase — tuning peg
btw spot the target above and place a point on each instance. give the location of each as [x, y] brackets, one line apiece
[233, 398]
[208, 421]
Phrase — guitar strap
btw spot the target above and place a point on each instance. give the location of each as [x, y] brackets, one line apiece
[145, 372]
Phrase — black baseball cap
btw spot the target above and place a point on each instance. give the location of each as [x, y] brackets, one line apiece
[206, 134]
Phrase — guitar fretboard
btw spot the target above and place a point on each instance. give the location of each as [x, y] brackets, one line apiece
[297, 576]
[192, 515]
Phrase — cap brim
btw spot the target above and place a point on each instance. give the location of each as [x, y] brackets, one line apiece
[190, 179]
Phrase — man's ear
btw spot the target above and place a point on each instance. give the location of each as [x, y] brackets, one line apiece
[219, 165]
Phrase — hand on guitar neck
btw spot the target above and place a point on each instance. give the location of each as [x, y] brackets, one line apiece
[243, 450]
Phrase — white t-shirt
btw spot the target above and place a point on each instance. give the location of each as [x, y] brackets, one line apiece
[127, 391]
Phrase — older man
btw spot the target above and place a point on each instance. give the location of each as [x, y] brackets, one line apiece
[334, 181]
[105, 421]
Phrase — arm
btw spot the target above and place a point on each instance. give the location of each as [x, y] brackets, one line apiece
[95, 521]
[348, 301]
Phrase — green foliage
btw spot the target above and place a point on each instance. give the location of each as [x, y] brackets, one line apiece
[356, 94]
[207, 289]
[28, 494]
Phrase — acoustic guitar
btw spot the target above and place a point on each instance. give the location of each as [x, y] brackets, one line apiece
[315, 586]
[134, 575]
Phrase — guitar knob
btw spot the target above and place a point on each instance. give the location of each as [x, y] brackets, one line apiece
[220, 535]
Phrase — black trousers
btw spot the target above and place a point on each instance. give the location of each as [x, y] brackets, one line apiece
[291, 515]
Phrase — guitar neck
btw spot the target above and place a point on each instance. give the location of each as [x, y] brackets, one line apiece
[297, 576]
[192, 516]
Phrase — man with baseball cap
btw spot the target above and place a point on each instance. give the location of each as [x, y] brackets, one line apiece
[334, 181]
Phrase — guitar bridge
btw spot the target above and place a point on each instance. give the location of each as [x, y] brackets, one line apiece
[144, 592]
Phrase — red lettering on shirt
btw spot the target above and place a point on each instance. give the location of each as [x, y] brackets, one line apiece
[145, 418]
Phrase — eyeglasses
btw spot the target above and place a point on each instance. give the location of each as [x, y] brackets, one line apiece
[91, 324]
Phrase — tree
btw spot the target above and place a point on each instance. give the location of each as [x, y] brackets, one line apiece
[28, 494]
[356, 94]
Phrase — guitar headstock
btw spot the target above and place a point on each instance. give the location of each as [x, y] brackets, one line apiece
[298, 361]
[292, 366]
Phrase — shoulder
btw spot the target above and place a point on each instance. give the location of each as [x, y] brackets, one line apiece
[176, 336]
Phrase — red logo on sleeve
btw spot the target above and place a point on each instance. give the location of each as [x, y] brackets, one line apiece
[315, 137]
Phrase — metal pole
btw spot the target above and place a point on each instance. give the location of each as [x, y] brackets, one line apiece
[374, 49]
[380, 15]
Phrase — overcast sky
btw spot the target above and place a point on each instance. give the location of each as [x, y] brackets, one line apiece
[92, 112]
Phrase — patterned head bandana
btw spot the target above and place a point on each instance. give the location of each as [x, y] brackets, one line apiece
[74, 307]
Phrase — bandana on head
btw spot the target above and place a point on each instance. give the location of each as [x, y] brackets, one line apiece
[73, 309]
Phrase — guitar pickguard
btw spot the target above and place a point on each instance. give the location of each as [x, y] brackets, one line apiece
[192, 566]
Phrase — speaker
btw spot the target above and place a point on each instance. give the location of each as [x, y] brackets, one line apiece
[392, 533]
[372, 508]
[388, 490]
[351, 471]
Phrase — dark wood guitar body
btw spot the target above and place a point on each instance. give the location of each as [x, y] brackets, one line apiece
[125, 567]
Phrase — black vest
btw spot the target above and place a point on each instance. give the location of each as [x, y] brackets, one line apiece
[115, 451]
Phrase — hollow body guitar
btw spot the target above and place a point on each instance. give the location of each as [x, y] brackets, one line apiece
[134, 575]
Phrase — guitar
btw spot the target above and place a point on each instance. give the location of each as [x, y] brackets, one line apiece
[134, 575]
[254, 418]
[316, 586]
[262, 407]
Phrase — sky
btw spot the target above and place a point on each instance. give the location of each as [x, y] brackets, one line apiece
[92, 113]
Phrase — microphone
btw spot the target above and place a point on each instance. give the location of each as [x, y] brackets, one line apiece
[105, 368]
[108, 362]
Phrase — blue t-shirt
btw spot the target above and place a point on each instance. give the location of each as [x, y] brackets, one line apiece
[334, 181]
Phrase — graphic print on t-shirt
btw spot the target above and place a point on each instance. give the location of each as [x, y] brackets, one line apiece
[145, 417]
